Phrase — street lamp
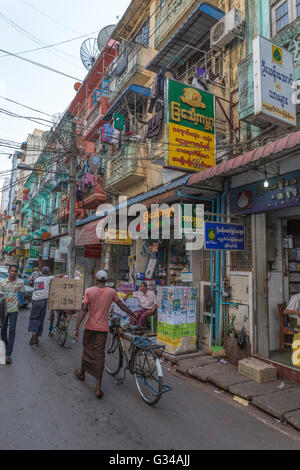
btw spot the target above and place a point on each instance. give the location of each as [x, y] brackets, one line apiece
[23, 166]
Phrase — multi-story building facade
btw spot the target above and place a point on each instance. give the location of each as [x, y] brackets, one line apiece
[123, 113]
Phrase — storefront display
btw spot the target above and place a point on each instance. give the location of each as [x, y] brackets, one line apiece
[177, 314]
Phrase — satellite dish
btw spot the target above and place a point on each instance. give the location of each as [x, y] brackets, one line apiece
[89, 52]
[104, 36]
[56, 117]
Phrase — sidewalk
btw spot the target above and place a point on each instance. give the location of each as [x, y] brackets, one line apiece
[280, 398]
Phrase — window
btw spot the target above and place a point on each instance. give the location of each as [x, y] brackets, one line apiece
[282, 16]
[143, 35]
[283, 13]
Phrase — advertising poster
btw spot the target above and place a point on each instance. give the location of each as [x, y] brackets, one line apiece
[190, 128]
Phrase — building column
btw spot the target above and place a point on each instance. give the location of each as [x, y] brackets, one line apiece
[260, 281]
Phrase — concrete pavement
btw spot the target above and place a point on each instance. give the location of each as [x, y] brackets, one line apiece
[280, 398]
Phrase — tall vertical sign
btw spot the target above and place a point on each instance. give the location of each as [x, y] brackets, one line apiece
[273, 83]
[189, 128]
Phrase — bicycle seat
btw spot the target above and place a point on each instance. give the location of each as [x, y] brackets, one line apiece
[136, 329]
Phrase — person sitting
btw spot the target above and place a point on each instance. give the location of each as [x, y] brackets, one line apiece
[294, 305]
[148, 302]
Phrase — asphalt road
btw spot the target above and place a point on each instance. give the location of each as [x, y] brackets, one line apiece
[43, 406]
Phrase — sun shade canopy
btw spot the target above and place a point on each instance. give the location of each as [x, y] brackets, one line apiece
[196, 26]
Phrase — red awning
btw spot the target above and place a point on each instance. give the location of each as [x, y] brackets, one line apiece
[279, 145]
[86, 235]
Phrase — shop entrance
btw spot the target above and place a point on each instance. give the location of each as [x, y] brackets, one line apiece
[284, 282]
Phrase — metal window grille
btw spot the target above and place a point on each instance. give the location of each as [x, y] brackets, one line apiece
[242, 260]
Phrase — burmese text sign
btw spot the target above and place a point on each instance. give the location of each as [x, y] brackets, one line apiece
[223, 236]
[190, 128]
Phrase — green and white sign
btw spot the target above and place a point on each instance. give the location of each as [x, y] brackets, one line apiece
[34, 253]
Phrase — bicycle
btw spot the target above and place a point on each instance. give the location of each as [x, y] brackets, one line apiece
[143, 362]
[61, 328]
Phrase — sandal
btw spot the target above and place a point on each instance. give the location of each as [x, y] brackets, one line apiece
[80, 376]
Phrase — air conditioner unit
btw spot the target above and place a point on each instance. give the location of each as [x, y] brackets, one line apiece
[226, 29]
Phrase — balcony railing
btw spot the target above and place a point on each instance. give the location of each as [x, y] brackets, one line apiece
[125, 168]
[138, 57]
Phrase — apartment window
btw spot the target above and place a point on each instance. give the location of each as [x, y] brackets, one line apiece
[284, 13]
[282, 16]
[143, 35]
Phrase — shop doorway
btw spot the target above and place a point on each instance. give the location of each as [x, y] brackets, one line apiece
[289, 285]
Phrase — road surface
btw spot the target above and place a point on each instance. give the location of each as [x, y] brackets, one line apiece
[43, 406]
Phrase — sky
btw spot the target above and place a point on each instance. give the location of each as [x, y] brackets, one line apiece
[24, 24]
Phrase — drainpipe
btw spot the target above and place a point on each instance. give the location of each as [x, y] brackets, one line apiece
[223, 254]
[217, 279]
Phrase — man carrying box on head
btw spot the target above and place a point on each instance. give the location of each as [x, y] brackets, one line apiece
[148, 302]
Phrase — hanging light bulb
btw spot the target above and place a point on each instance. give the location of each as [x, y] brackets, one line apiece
[266, 182]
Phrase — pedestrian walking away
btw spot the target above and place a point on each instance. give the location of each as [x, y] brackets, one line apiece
[97, 302]
[39, 304]
[13, 290]
[35, 274]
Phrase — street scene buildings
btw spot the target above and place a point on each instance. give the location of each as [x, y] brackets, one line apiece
[188, 105]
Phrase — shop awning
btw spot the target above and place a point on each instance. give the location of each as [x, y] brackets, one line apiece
[130, 94]
[243, 162]
[87, 234]
[190, 33]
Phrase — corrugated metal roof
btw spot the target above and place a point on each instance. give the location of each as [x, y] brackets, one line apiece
[286, 143]
[196, 26]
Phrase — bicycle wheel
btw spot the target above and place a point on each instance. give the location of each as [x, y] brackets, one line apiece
[113, 354]
[62, 329]
[148, 376]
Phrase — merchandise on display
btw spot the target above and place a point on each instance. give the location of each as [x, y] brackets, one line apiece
[177, 316]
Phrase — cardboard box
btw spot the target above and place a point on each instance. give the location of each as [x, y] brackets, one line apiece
[257, 370]
[65, 294]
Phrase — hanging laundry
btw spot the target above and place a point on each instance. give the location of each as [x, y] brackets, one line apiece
[122, 66]
[79, 195]
[109, 134]
[155, 124]
[199, 84]
[82, 186]
[89, 180]
[158, 87]
[119, 121]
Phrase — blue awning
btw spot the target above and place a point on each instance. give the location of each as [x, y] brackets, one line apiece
[140, 198]
[130, 94]
[190, 33]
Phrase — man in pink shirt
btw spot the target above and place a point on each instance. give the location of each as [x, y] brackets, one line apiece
[148, 302]
[97, 302]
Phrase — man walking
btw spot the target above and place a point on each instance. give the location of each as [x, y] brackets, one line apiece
[39, 305]
[97, 302]
[13, 290]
